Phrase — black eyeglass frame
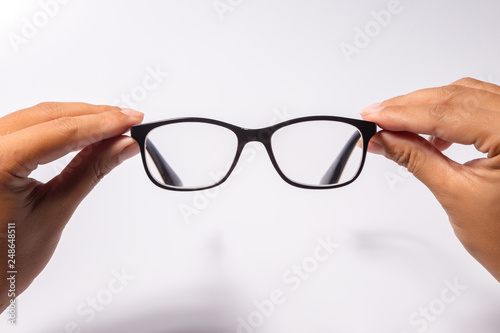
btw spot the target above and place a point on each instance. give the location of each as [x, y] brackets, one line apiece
[244, 135]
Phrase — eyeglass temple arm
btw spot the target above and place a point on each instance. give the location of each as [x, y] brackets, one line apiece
[167, 174]
[335, 170]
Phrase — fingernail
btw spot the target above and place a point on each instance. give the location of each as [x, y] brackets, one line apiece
[372, 109]
[375, 148]
[133, 113]
[129, 151]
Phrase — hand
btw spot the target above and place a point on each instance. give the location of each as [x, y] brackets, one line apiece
[39, 135]
[465, 112]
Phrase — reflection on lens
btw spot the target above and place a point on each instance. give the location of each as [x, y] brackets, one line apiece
[319, 152]
[190, 155]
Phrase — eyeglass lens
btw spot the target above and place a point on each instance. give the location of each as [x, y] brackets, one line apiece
[193, 155]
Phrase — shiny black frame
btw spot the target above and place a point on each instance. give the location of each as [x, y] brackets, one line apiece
[244, 135]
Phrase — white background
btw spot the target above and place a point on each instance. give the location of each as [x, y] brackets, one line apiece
[264, 62]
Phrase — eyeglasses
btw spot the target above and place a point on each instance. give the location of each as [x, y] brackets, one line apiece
[316, 152]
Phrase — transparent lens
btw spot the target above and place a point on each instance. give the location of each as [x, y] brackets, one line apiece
[318, 153]
[190, 155]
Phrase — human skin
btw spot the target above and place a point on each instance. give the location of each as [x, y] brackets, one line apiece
[465, 112]
[39, 135]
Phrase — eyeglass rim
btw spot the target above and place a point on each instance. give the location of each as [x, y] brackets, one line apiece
[140, 132]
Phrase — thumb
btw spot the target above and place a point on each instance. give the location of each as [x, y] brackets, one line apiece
[420, 157]
[83, 173]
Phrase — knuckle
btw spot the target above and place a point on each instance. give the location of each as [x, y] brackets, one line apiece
[404, 157]
[95, 177]
[411, 158]
[466, 97]
[53, 109]
[439, 113]
[68, 127]
[467, 82]
[450, 94]
[93, 108]
[104, 108]
[488, 144]
[100, 170]
[444, 117]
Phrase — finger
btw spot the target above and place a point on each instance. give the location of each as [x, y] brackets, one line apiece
[22, 151]
[44, 112]
[439, 143]
[478, 127]
[422, 159]
[476, 84]
[455, 95]
[375, 148]
[65, 192]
